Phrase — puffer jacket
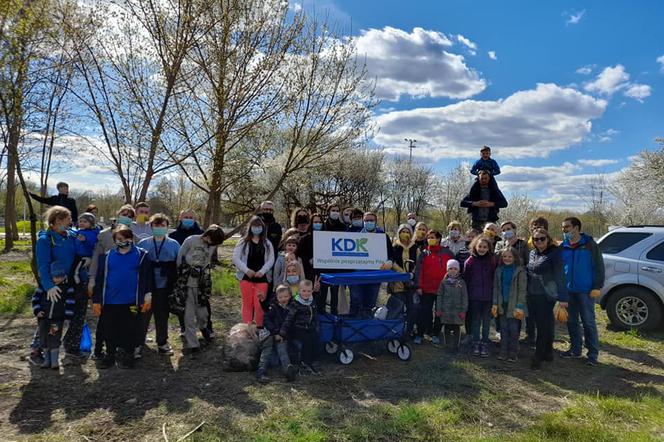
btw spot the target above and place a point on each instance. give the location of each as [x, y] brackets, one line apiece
[300, 317]
[518, 291]
[404, 258]
[431, 268]
[546, 276]
[276, 316]
[583, 265]
[478, 272]
[452, 300]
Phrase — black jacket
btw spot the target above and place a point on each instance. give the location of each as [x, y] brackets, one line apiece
[334, 225]
[180, 234]
[59, 200]
[276, 316]
[273, 230]
[300, 317]
[475, 194]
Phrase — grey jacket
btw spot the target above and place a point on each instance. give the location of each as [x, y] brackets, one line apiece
[518, 291]
[452, 299]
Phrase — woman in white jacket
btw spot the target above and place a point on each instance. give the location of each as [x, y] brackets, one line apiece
[253, 257]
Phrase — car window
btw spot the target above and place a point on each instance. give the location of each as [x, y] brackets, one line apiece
[656, 254]
[619, 241]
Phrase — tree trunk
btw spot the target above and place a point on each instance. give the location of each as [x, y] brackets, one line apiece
[10, 203]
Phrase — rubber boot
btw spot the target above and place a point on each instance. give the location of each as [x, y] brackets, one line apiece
[55, 357]
[47, 360]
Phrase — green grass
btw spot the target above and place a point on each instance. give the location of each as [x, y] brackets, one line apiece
[16, 299]
[21, 245]
[224, 282]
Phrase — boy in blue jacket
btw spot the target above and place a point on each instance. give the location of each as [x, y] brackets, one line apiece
[122, 292]
[86, 240]
[51, 315]
[485, 163]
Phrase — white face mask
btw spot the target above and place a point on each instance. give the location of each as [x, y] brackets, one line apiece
[411, 222]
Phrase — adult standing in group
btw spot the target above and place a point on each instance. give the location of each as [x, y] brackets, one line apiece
[356, 220]
[531, 328]
[347, 217]
[484, 200]
[273, 234]
[187, 226]
[509, 239]
[58, 244]
[546, 285]
[404, 258]
[411, 219]
[454, 240]
[584, 271]
[61, 199]
[300, 220]
[253, 257]
[333, 223]
[93, 209]
[420, 240]
[141, 227]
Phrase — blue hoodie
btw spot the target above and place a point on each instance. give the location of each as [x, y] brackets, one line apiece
[123, 278]
[51, 246]
[87, 247]
[583, 265]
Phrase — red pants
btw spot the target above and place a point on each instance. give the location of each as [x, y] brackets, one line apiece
[251, 306]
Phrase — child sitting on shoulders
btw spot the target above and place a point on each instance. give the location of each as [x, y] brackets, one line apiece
[451, 305]
[509, 302]
[301, 325]
[51, 315]
[485, 162]
[270, 338]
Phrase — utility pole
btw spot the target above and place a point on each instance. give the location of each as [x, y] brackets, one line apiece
[411, 146]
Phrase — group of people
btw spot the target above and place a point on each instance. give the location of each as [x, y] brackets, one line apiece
[140, 268]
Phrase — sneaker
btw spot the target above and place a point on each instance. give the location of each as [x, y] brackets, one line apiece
[291, 373]
[535, 364]
[435, 340]
[484, 351]
[502, 357]
[418, 340]
[476, 350]
[260, 375]
[569, 355]
[498, 336]
[46, 360]
[36, 358]
[72, 359]
[512, 358]
[309, 369]
[591, 363]
[165, 349]
[137, 352]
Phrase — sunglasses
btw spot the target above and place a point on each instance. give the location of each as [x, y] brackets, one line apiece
[539, 239]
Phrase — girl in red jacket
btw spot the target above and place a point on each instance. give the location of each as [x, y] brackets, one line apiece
[430, 270]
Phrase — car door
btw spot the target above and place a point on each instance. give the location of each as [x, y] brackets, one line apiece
[651, 268]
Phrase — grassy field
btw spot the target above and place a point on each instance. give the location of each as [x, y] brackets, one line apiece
[377, 398]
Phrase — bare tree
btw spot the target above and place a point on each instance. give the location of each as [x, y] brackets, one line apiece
[452, 187]
[520, 211]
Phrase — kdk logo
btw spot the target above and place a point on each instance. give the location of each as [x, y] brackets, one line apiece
[349, 247]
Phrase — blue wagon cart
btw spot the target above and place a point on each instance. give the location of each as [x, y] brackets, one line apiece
[338, 331]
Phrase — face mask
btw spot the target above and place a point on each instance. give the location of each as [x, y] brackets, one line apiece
[267, 217]
[370, 225]
[124, 244]
[347, 219]
[159, 231]
[124, 220]
[489, 233]
[508, 234]
[432, 242]
[567, 236]
[256, 230]
[293, 279]
[411, 222]
[188, 223]
[357, 223]
[61, 229]
[142, 219]
[404, 237]
[317, 226]
[334, 215]
[454, 233]
[420, 234]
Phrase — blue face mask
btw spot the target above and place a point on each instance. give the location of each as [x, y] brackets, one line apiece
[159, 231]
[357, 223]
[370, 226]
[317, 226]
[293, 279]
[256, 230]
[567, 236]
[61, 229]
[124, 220]
[508, 234]
[188, 223]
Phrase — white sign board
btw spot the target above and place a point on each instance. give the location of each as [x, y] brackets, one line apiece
[353, 251]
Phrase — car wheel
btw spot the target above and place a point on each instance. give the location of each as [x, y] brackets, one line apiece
[634, 308]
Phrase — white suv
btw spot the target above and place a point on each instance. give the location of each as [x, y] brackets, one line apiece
[633, 293]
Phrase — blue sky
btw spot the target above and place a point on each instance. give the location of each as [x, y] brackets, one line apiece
[600, 101]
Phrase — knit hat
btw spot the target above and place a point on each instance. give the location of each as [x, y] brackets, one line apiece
[58, 270]
[406, 227]
[89, 217]
[453, 263]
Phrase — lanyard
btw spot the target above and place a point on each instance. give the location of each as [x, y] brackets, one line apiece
[157, 250]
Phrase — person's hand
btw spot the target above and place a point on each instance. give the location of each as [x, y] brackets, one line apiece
[563, 304]
[278, 338]
[317, 284]
[54, 294]
[41, 314]
[386, 266]
[494, 311]
[595, 293]
[439, 313]
[96, 309]
[519, 314]
[462, 316]
[250, 273]
[261, 295]
[258, 275]
[81, 238]
[476, 203]
[419, 292]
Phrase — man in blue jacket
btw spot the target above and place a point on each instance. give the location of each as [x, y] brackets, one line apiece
[584, 271]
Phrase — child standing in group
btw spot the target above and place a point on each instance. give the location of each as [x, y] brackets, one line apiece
[451, 305]
[485, 162]
[123, 290]
[288, 254]
[270, 338]
[509, 301]
[478, 273]
[301, 325]
[51, 315]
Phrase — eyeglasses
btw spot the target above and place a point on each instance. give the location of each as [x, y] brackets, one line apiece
[539, 239]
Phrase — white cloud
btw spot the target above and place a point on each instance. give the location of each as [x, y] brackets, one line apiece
[529, 123]
[660, 60]
[416, 63]
[492, 55]
[575, 17]
[295, 7]
[597, 163]
[585, 70]
[638, 91]
[606, 136]
[609, 80]
[472, 47]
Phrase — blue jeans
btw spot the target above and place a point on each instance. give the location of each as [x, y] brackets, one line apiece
[363, 298]
[480, 316]
[509, 335]
[582, 306]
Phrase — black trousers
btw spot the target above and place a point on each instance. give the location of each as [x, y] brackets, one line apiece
[161, 312]
[426, 324]
[72, 339]
[120, 325]
[542, 310]
[309, 341]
